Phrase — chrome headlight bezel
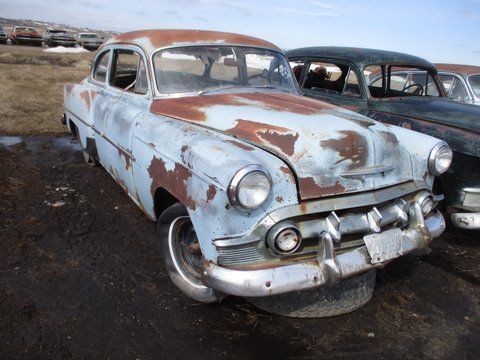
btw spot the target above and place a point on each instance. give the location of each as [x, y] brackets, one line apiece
[233, 188]
[433, 158]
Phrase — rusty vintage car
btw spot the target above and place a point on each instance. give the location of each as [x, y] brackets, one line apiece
[59, 37]
[23, 35]
[257, 190]
[461, 82]
[403, 90]
[89, 41]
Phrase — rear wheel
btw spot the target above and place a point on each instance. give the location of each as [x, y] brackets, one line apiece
[181, 254]
[346, 296]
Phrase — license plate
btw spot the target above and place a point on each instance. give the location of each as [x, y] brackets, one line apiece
[384, 246]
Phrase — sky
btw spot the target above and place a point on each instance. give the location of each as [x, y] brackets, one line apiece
[438, 30]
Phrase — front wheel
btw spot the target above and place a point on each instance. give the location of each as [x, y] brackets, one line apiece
[346, 296]
[181, 254]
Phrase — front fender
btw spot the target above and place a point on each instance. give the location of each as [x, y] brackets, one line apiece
[196, 165]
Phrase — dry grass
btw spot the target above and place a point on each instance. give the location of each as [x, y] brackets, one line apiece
[31, 88]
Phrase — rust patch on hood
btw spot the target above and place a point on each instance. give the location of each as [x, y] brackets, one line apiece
[351, 146]
[174, 181]
[240, 145]
[69, 88]
[193, 108]
[211, 192]
[309, 189]
[260, 133]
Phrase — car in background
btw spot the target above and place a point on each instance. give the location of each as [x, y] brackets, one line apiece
[461, 82]
[3, 36]
[89, 41]
[257, 190]
[59, 37]
[403, 90]
[25, 35]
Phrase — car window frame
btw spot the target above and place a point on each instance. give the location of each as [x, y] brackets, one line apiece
[97, 58]
[414, 68]
[142, 55]
[470, 87]
[352, 66]
[466, 85]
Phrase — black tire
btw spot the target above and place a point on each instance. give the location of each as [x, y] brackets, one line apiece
[178, 265]
[342, 298]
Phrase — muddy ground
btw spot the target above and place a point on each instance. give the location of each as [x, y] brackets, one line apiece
[80, 277]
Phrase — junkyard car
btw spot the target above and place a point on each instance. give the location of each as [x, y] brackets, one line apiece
[461, 82]
[257, 190]
[22, 35]
[402, 90]
[3, 36]
[89, 41]
[59, 37]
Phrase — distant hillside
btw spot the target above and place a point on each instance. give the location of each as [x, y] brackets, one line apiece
[8, 25]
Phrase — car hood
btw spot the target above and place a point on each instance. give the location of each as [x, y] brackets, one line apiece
[439, 110]
[330, 150]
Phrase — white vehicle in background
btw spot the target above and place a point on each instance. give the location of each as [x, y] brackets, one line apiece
[89, 41]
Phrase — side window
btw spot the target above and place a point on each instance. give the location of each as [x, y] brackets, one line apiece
[375, 80]
[101, 67]
[447, 81]
[297, 67]
[326, 77]
[127, 65]
[458, 91]
[351, 87]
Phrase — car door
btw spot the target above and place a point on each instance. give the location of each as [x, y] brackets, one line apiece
[128, 95]
[333, 81]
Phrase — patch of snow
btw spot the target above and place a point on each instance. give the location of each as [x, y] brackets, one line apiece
[63, 49]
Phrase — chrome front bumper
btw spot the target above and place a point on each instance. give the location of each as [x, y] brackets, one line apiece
[470, 202]
[326, 269]
[467, 221]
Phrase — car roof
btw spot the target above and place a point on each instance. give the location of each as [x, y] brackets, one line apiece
[361, 56]
[151, 40]
[459, 69]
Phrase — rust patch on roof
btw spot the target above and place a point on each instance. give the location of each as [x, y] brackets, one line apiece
[85, 96]
[351, 146]
[168, 37]
[309, 189]
[211, 192]
[174, 181]
[193, 108]
[241, 145]
[261, 133]
[279, 199]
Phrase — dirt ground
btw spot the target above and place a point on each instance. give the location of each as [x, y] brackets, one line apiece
[31, 88]
[80, 277]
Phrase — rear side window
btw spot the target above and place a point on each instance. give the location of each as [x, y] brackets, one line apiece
[128, 72]
[331, 78]
[101, 67]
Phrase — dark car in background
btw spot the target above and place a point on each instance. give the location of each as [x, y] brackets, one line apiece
[403, 90]
[59, 37]
[89, 41]
[3, 36]
[25, 35]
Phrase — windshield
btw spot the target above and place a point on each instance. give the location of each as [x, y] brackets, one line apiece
[89, 36]
[217, 68]
[474, 81]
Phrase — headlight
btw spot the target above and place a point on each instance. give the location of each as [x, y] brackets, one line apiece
[249, 187]
[440, 159]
